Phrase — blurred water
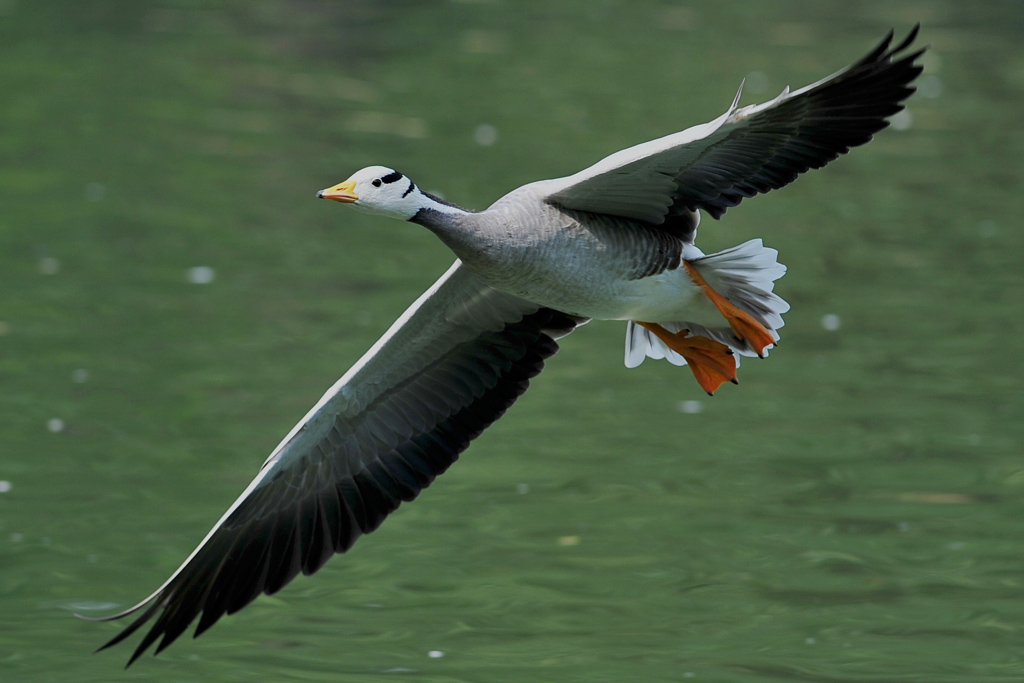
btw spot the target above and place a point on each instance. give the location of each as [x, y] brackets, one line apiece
[851, 512]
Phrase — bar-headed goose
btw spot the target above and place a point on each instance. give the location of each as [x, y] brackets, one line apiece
[614, 241]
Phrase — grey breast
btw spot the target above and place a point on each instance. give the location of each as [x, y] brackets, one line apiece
[562, 258]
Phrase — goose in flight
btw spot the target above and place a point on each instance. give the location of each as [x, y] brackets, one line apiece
[612, 242]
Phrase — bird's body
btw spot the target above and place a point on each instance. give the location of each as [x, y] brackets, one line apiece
[613, 242]
[590, 265]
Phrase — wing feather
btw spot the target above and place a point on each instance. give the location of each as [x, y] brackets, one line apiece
[448, 368]
[746, 151]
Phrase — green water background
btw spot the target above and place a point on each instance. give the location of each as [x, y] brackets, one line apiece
[853, 511]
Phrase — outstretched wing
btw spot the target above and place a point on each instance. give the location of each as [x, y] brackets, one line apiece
[448, 368]
[747, 150]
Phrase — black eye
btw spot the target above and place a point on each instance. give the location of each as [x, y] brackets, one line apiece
[376, 182]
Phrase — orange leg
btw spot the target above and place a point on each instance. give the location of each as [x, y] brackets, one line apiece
[712, 362]
[743, 325]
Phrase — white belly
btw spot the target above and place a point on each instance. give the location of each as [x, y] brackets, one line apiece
[670, 296]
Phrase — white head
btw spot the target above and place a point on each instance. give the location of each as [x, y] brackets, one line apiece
[382, 190]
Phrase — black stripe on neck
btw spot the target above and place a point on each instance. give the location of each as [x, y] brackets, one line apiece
[444, 201]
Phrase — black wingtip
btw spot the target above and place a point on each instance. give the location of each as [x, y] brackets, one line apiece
[888, 55]
[148, 640]
[905, 43]
[163, 643]
[882, 52]
[135, 655]
[116, 639]
[878, 51]
[888, 39]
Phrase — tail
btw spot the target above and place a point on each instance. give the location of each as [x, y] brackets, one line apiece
[745, 275]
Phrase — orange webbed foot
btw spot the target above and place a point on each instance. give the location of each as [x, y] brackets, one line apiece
[712, 363]
[744, 325]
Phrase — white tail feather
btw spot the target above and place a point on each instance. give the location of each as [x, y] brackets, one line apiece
[641, 344]
[746, 276]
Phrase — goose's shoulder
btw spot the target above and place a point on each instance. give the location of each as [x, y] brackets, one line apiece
[530, 197]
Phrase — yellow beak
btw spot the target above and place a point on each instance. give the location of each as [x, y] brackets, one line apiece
[342, 192]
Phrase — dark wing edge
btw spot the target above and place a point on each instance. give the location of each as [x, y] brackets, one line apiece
[799, 131]
[747, 150]
[304, 507]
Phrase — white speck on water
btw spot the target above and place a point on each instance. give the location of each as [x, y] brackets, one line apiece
[902, 120]
[435, 654]
[95, 192]
[16, 537]
[522, 489]
[690, 407]
[956, 545]
[48, 265]
[904, 526]
[810, 641]
[756, 83]
[80, 376]
[5, 486]
[200, 275]
[831, 322]
[929, 86]
[55, 425]
[485, 135]
[689, 674]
